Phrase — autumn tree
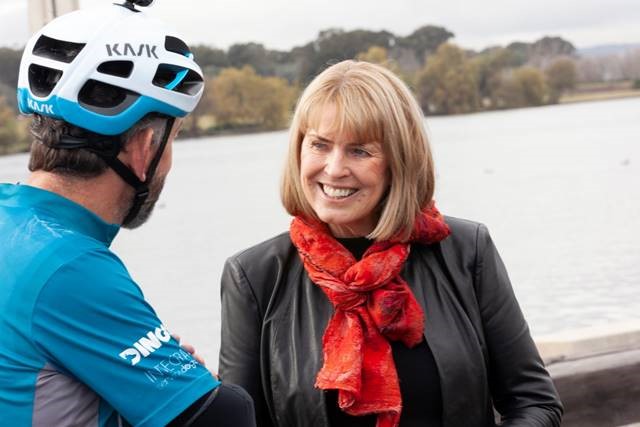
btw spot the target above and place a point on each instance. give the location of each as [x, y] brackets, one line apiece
[379, 55]
[242, 98]
[447, 84]
[522, 87]
[201, 118]
[375, 55]
[561, 76]
[13, 132]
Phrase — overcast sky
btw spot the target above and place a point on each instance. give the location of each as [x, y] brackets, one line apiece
[282, 24]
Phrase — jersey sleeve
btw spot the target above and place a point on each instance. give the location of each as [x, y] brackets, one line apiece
[91, 320]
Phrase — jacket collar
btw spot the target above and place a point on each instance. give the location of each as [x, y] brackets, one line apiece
[59, 209]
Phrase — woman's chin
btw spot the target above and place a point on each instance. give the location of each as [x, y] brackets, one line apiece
[348, 229]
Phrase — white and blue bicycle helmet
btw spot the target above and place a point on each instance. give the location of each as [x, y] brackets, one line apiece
[104, 69]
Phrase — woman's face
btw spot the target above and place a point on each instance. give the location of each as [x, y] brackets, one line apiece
[342, 179]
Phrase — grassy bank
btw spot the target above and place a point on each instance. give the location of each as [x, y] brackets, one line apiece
[601, 91]
[599, 96]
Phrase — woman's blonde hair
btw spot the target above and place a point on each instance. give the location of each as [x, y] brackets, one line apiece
[372, 104]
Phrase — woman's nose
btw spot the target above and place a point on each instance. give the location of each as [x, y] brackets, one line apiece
[336, 164]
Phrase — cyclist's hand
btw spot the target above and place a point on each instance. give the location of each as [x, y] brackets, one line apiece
[190, 349]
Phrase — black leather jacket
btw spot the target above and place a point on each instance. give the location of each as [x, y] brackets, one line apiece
[273, 319]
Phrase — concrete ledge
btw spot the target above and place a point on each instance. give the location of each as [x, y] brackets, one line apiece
[581, 343]
[600, 390]
[597, 373]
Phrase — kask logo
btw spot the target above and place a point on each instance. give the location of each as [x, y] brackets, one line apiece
[146, 345]
[40, 107]
[127, 49]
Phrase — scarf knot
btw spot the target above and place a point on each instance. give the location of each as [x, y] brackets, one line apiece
[373, 305]
[348, 301]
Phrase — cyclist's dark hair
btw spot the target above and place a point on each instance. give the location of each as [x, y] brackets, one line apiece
[79, 162]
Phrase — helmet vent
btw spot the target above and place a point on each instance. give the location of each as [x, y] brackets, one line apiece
[116, 68]
[175, 45]
[191, 84]
[58, 50]
[105, 99]
[42, 80]
[166, 74]
[178, 79]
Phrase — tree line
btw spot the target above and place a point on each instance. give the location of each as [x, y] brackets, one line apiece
[252, 88]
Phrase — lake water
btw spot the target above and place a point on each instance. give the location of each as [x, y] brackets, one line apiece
[558, 187]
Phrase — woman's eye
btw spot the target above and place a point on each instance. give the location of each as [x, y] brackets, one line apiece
[318, 145]
[360, 152]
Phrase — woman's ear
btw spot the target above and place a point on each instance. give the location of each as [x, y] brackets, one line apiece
[138, 152]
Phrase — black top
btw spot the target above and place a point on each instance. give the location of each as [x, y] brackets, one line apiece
[417, 371]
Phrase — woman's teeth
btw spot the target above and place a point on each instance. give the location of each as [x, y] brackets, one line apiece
[338, 193]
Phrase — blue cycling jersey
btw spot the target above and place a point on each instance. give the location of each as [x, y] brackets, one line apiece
[79, 344]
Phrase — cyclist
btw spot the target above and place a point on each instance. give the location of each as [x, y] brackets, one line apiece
[80, 346]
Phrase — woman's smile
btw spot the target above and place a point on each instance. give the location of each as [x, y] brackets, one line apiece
[337, 193]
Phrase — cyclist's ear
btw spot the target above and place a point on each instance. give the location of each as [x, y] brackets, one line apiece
[138, 152]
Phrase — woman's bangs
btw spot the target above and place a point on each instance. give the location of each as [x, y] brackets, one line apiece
[355, 121]
[359, 118]
[311, 114]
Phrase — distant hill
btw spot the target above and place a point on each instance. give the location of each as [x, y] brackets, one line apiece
[607, 49]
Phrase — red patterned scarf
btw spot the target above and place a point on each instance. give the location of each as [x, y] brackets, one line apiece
[373, 305]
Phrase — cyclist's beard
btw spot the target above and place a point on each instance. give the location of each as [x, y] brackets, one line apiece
[147, 207]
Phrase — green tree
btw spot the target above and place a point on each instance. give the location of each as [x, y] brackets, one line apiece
[9, 66]
[334, 45]
[252, 54]
[561, 76]
[488, 67]
[9, 95]
[539, 52]
[447, 83]
[425, 40]
[552, 46]
[519, 53]
[242, 98]
[265, 62]
[210, 59]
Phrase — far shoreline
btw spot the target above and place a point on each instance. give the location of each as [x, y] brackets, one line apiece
[571, 98]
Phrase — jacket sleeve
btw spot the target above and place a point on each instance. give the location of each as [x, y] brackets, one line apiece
[522, 389]
[240, 337]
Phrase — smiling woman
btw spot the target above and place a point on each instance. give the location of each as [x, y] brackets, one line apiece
[363, 129]
[374, 309]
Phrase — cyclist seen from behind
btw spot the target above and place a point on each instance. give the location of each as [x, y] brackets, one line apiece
[80, 346]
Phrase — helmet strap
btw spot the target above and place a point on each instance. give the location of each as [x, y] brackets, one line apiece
[141, 188]
[129, 5]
